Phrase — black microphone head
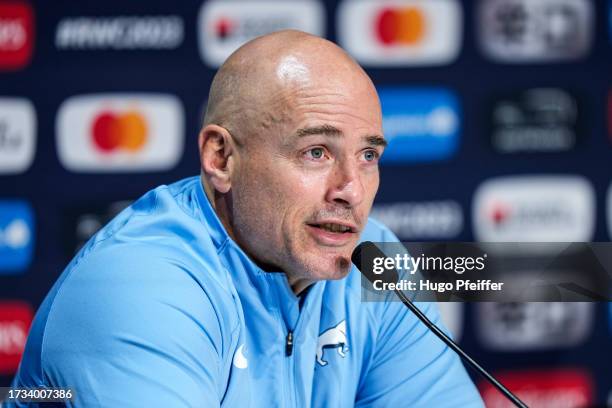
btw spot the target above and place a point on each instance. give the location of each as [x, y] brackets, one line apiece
[369, 259]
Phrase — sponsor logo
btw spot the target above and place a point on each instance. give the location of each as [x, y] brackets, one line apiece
[534, 209]
[17, 135]
[224, 26]
[452, 317]
[120, 132]
[401, 32]
[542, 388]
[535, 325]
[537, 120]
[421, 220]
[420, 124]
[15, 321]
[16, 35]
[119, 33]
[535, 30]
[16, 236]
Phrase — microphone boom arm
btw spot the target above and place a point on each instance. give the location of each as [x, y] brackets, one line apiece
[450, 343]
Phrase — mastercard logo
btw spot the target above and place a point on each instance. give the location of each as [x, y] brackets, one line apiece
[107, 132]
[405, 26]
[125, 131]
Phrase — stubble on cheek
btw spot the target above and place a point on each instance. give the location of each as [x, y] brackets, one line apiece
[263, 216]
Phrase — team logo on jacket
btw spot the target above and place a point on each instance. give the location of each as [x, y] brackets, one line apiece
[332, 338]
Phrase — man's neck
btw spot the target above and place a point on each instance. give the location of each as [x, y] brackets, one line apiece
[300, 286]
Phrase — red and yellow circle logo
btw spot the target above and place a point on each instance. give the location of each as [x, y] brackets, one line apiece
[119, 131]
[405, 26]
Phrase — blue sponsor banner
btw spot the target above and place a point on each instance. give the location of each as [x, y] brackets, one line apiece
[421, 124]
[16, 236]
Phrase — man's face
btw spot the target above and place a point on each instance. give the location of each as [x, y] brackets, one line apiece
[303, 188]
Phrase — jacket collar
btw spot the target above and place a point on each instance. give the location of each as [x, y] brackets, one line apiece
[215, 227]
[246, 274]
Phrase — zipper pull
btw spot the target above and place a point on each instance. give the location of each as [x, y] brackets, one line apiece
[289, 344]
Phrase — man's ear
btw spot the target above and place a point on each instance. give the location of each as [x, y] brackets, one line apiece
[216, 149]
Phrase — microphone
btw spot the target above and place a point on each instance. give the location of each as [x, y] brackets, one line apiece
[363, 258]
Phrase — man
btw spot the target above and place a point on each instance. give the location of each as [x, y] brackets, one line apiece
[236, 288]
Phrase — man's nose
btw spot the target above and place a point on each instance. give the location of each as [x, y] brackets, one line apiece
[345, 186]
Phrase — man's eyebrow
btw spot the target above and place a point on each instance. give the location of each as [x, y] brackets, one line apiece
[329, 130]
[376, 140]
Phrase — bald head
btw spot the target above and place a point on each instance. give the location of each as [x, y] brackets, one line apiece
[255, 88]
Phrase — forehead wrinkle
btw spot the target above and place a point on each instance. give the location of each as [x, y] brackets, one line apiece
[326, 102]
[327, 115]
[307, 96]
[310, 93]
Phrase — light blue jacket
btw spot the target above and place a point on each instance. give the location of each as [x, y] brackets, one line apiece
[161, 308]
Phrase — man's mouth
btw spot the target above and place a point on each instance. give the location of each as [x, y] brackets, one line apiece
[334, 227]
[331, 227]
[330, 233]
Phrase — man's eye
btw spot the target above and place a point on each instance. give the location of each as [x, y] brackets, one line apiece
[316, 152]
[370, 155]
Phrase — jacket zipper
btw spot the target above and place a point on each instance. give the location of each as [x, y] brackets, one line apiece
[290, 368]
[289, 344]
